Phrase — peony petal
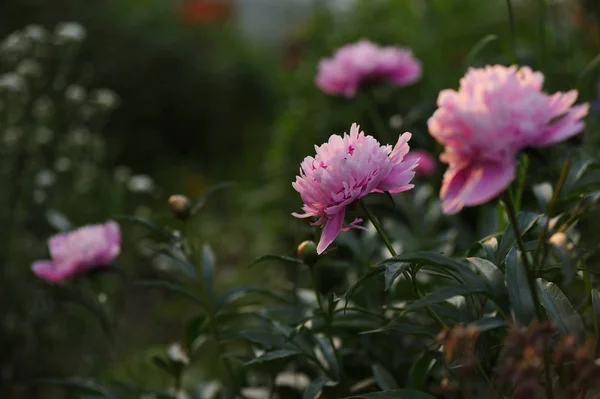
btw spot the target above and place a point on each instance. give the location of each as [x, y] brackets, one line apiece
[454, 181]
[47, 270]
[331, 230]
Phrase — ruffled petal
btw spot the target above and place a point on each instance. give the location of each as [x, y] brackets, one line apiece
[332, 228]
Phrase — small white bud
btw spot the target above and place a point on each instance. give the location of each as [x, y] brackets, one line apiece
[141, 184]
[177, 354]
[69, 32]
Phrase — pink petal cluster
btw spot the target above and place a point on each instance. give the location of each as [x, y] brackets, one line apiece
[496, 112]
[353, 64]
[426, 165]
[83, 249]
[345, 169]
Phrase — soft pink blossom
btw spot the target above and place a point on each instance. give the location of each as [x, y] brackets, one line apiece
[353, 64]
[345, 169]
[83, 249]
[496, 112]
[426, 164]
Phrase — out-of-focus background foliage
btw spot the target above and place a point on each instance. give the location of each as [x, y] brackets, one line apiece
[212, 91]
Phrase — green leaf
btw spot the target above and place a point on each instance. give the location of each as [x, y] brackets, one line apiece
[490, 323]
[315, 387]
[560, 309]
[560, 243]
[394, 394]
[519, 293]
[361, 280]
[193, 329]
[201, 200]
[274, 355]
[477, 48]
[280, 258]
[172, 287]
[494, 279]
[163, 364]
[419, 371]
[239, 292]
[525, 221]
[208, 270]
[266, 339]
[407, 329]
[392, 272]
[184, 265]
[383, 378]
[149, 225]
[453, 267]
[328, 354]
[441, 294]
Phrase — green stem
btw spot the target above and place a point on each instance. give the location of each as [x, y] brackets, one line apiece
[486, 379]
[549, 214]
[542, 32]
[511, 23]
[211, 316]
[378, 124]
[328, 332]
[409, 277]
[532, 286]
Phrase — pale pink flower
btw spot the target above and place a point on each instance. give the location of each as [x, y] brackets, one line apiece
[496, 112]
[356, 63]
[345, 169]
[83, 249]
[426, 164]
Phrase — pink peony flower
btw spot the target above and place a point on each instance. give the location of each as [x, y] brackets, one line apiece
[356, 63]
[426, 164]
[80, 250]
[496, 112]
[345, 169]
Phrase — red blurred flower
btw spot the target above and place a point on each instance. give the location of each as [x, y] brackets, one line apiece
[203, 11]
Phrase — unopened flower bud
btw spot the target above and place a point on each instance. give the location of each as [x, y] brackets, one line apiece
[307, 251]
[180, 206]
[177, 354]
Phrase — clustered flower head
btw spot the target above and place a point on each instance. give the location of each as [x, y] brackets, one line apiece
[357, 63]
[80, 250]
[345, 169]
[496, 112]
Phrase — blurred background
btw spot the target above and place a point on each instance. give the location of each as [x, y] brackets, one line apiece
[155, 97]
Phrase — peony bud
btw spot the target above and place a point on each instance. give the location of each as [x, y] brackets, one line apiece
[307, 251]
[180, 206]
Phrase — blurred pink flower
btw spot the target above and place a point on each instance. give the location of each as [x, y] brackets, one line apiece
[496, 112]
[80, 250]
[353, 64]
[345, 169]
[426, 164]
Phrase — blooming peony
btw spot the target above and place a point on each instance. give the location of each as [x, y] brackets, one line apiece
[426, 164]
[356, 63]
[496, 112]
[345, 169]
[80, 250]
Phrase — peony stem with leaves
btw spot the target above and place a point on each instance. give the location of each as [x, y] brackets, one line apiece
[512, 217]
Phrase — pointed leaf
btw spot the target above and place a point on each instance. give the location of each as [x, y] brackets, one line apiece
[383, 378]
[408, 329]
[361, 280]
[184, 265]
[329, 354]
[419, 371]
[441, 294]
[519, 293]
[208, 270]
[560, 310]
[314, 389]
[494, 279]
[280, 258]
[392, 272]
[525, 221]
[149, 225]
[490, 323]
[274, 355]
